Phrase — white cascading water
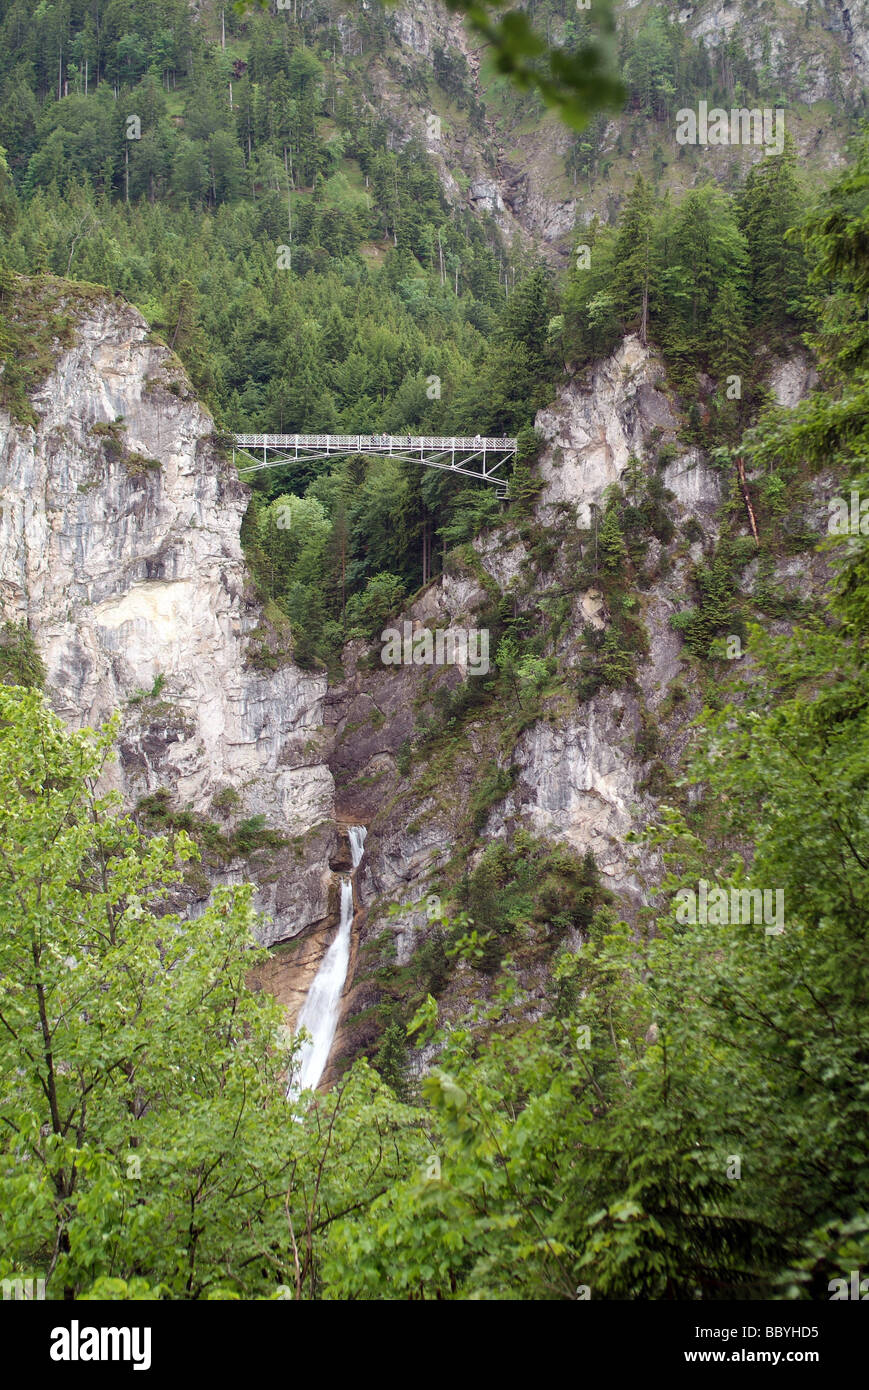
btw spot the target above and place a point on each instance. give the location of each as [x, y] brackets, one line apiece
[320, 1010]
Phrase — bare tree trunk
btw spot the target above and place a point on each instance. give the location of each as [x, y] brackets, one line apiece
[289, 207]
[426, 558]
[743, 487]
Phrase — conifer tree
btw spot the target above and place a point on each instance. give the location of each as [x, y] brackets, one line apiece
[728, 334]
[634, 260]
[769, 208]
[611, 542]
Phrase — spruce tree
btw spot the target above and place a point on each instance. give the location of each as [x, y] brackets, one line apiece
[634, 260]
[611, 542]
[728, 334]
[769, 208]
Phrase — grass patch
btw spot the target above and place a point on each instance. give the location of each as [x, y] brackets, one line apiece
[114, 449]
[37, 323]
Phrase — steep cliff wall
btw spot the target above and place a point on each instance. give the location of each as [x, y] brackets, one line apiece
[515, 167]
[119, 545]
[580, 769]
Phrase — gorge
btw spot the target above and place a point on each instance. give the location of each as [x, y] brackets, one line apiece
[130, 582]
[413, 889]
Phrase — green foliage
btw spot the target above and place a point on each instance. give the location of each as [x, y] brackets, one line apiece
[226, 800]
[533, 671]
[115, 450]
[36, 321]
[20, 662]
[769, 208]
[607, 661]
[134, 1091]
[687, 1119]
[395, 312]
[252, 834]
[157, 812]
[308, 276]
[144, 1121]
[153, 694]
[391, 1059]
[532, 883]
[700, 277]
[718, 611]
[582, 1133]
[576, 84]
[634, 260]
[473, 510]
[431, 962]
[492, 787]
[368, 612]
[645, 1137]
[611, 544]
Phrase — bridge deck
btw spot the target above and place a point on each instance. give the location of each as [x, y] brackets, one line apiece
[471, 455]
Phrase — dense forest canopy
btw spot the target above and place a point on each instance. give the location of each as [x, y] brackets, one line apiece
[313, 277]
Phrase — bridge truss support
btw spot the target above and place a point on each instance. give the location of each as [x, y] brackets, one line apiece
[472, 456]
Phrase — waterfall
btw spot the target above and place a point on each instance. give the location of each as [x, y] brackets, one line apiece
[320, 1010]
[357, 835]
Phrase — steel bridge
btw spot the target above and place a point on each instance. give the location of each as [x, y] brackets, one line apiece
[472, 456]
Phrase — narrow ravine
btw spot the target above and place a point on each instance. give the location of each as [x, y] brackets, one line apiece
[319, 1013]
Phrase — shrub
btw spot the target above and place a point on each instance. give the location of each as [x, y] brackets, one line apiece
[226, 800]
[20, 662]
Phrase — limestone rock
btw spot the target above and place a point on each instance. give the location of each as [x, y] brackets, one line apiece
[132, 578]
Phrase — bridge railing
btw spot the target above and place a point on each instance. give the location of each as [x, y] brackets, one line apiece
[359, 443]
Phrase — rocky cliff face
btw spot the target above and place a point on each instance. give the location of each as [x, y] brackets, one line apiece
[575, 779]
[584, 773]
[119, 545]
[515, 168]
[594, 428]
